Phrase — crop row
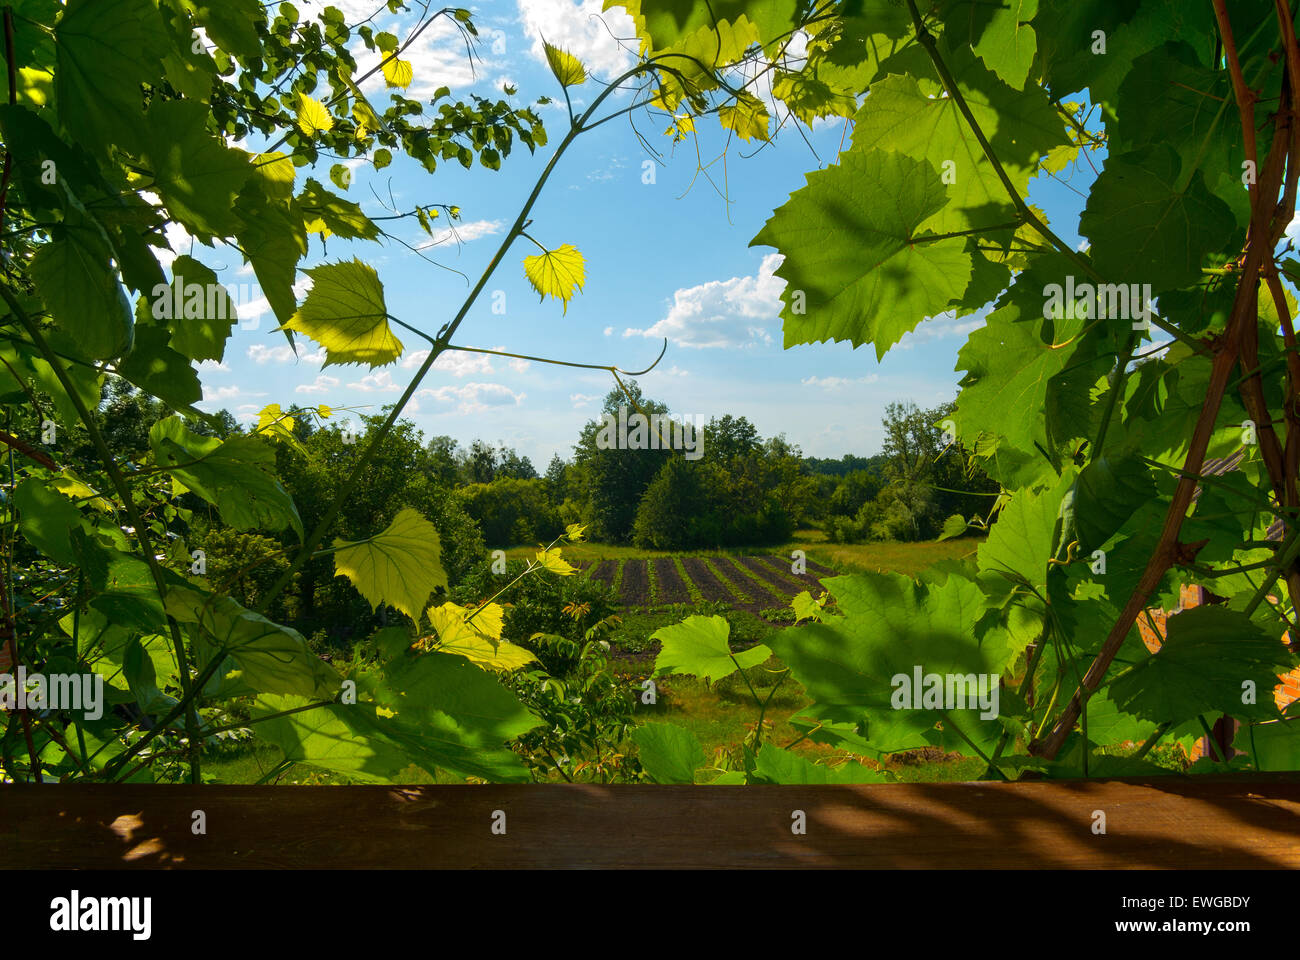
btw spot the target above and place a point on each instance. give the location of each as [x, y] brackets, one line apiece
[751, 583]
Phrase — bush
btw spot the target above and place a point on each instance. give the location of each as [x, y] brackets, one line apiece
[512, 511]
[564, 607]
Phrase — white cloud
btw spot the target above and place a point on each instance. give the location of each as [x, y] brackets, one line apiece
[379, 382]
[260, 353]
[437, 56]
[581, 28]
[518, 365]
[462, 233]
[724, 313]
[230, 392]
[581, 400]
[322, 384]
[835, 383]
[609, 331]
[942, 327]
[212, 366]
[472, 397]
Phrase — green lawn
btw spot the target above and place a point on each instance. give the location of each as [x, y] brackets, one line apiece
[888, 556]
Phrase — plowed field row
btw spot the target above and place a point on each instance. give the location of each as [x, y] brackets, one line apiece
[748, 583]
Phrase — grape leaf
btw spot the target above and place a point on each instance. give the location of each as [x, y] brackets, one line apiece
[669, 753]
[74, 275]
[567, 68]
[272, 658]
[235, 475]
[345, 313]
[206, 320]
[196, 174]
[399, 566]
[698, 646]
[313, 118]
[781, 766]
[1145, 228]
[556, 273]
[855, 268]
[104, 52]
[1209, 653]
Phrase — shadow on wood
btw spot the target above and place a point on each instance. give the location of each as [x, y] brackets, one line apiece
[1176, 822]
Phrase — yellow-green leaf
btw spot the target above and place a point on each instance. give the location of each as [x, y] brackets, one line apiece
[479, 639]
[401, 566]
[567, 68]
[747, 117]
[313, 118]
[276, 173]
[398, 73]
[557, 273]
[552, 561]
[345, 313]
[575, 532]
[275, 423]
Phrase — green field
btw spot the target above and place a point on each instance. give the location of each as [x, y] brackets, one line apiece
[721, 715]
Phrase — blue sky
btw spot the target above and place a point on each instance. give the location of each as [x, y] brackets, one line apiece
[669, 258]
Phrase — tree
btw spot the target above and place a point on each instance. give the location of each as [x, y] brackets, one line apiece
[615, 479]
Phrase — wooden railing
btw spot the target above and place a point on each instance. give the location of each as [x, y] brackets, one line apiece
[1242, 822]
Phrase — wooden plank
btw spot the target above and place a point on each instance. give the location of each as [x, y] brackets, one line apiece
[1174, 822]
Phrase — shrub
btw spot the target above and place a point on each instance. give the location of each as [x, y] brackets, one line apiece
[512, 511]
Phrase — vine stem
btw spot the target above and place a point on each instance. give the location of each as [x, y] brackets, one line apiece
[440, 344]
[1260, 243]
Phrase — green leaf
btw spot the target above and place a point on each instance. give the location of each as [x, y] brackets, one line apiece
[104, 52]
[890, 627]
[345, 313]
[1149, 226]
[747, 116]
[195, 173]
[208, 315]
[556, 273]
[273, 239]
[1105, 496]
[275, 173]
[1021, 127]
[855, 267]
[665, 23]
[1024, 537]
[328, 214]
[669, 753]
[1169, 97]
[46, 518]
[1011, 362]
[1272, 746]
[74, 275]
[163, 372]
[231, 23]
[331, 737]
[954, 526]
[236, 476]
[442, 711]
[272, 658]
[567, 68]
[1001, 34]
[698, 646]
[400, 566]
[1209, 654]
[781, 766]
